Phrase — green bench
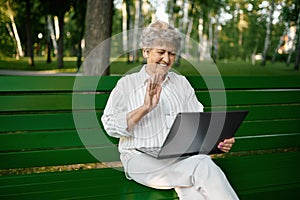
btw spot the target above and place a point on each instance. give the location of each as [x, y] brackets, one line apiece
[50, 121]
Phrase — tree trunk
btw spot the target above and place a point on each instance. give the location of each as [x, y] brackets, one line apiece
[49, 60]
[136, 35]
[280, 42]
[129, 36]
[60, 50]
[124, 26]
[171, 11]
[210, 35]
[216, 39]
[16, 35]
[97, 33]
[29, 34]
[51, 33]
[268, 34]
[201, 48]
[297, 59]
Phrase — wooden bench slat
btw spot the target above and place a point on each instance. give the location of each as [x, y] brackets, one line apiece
[64, 120]
[54, 139]
[66, 83]
[250, 97]
[48, 121]
[255, 175]
[244, 82]
[56, 83]
[53, 102]
[268, 127]
[69, 185]
[38, 129]
[280, 192]
[267, 171]
[266, 142]
[67, 156]
[97, 137]
[58, 157]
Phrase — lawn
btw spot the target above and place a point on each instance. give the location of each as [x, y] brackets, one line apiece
[120, 67]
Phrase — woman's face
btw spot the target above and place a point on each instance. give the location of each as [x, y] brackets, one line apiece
[160, 58]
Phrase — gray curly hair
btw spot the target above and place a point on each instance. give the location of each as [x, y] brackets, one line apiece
[162, 32]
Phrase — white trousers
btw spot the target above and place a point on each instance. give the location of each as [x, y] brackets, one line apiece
[193, 178]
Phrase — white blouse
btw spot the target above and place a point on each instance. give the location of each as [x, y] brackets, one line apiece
[177, 96]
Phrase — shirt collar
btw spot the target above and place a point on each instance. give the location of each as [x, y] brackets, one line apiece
[145, 76]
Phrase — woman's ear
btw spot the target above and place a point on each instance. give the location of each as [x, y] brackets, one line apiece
[145, 53]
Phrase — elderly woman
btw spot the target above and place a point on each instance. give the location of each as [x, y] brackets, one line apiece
[141, 109]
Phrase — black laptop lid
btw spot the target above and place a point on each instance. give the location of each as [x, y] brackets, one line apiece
[200, 132]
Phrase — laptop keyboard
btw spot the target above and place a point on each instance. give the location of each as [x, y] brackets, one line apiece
[151, 150]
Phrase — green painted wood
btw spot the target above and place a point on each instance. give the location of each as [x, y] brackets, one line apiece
[46, 136]
[97, 137]
[244, 82]
[31, 141]
[256, 128]
[265, 170]
[61, 83]
[264, 112]
[266, 142]
[64, 156]
[248, 97]
[280, 192]
[56, 83]
[54, 157]
[64, 120]
[51, 102]
[49, 121]
[258, 175]
[78, 184]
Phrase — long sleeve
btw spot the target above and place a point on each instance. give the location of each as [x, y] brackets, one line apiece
[192, 103]
[114, 116]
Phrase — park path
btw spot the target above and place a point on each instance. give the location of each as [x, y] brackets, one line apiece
[34, 73]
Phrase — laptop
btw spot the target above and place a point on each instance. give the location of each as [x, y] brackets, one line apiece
[197, 133]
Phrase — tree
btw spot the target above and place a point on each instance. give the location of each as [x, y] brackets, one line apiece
[98, 28]
[267, 39]
[7, 41]
[13, 29]
[297, 60]
[80, 12]
[58, 8]
[29, 34]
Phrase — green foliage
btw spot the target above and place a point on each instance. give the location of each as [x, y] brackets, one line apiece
[6, 42]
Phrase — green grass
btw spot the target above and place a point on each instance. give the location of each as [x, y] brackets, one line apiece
[230, 68]
[120, 67]
[40, 64]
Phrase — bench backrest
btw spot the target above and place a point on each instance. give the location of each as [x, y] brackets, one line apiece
[46, 121]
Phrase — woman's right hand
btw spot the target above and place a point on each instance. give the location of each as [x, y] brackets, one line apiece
[153, 92]
[151, 100]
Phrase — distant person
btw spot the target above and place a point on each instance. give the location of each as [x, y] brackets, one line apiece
[140, 111]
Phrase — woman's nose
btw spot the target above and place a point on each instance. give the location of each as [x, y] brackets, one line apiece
[166, 57]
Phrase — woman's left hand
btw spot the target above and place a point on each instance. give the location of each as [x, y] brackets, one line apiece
[226, 145]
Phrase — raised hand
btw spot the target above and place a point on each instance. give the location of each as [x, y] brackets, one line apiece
[153, 92]
[152, 97]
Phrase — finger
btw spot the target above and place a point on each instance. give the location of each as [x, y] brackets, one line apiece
[229, 141]
[155, 81]
[150, 90]
[225, 148]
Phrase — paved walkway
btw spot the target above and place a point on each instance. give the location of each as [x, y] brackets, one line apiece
[35, 73]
